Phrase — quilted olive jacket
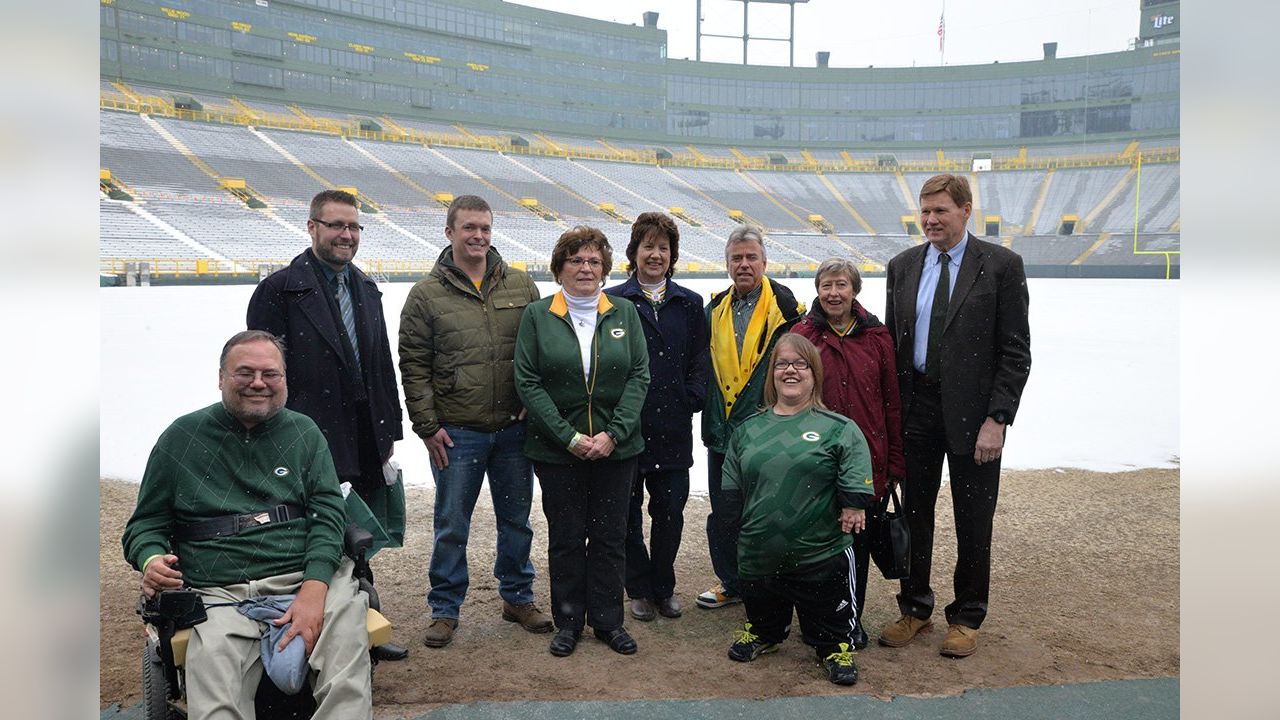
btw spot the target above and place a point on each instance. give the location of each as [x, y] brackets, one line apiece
[457, 345]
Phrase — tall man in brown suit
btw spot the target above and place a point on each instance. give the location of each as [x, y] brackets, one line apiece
[957, 309]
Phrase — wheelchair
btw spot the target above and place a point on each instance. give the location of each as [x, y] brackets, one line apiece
[169, 617]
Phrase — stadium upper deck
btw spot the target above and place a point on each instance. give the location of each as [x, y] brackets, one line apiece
[226, 189]
[560, 120]
[477, 61]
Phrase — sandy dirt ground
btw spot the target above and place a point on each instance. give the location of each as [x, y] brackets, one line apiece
[1084, 587]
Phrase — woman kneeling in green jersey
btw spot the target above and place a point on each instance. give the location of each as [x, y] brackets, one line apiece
[800, 476]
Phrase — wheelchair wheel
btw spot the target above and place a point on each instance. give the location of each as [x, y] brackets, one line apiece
[155, 687]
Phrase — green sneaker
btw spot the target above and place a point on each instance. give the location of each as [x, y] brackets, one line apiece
[748, 646]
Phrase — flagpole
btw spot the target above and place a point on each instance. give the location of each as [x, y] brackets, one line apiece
[942, 35]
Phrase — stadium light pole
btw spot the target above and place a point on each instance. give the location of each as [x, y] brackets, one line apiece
[746, 36]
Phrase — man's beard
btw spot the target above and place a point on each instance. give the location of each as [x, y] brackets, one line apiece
[244, 411]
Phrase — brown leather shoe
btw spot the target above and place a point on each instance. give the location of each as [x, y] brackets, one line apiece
[529, 617]
[903, 631]
[440, 632]
[670, 607]
[960, 642]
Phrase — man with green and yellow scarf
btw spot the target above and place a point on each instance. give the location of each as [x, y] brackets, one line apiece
[745, 321]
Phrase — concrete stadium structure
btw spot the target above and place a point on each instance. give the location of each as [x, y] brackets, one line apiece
[221, 119]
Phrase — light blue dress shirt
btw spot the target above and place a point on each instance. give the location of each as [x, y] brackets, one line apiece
[924, 296]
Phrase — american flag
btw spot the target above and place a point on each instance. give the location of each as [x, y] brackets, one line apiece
[942, 29]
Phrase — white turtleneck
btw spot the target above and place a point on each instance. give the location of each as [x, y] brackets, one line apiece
[583, 313]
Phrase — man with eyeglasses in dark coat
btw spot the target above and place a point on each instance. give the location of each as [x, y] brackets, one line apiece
[341, 373]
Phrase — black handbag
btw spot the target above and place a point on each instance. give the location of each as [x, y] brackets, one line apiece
[890, 540]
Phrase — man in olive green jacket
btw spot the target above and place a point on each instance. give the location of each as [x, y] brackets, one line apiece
[457, 340]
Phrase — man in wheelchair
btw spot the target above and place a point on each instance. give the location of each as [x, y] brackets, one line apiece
[240, 500]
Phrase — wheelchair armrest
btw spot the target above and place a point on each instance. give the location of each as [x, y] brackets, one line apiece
[356, 541]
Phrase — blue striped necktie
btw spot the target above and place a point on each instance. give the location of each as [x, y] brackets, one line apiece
[348, 316]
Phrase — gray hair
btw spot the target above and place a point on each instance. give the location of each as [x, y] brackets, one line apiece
[745, 233]
[840, 265]
[248, 336]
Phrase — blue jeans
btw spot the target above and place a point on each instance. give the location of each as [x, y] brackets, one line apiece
[501, 455]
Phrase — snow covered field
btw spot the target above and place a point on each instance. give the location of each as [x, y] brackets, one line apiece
[1103, 393]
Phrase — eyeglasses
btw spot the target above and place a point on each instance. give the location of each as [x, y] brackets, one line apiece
[246, 377]
[578, 262]
[797, 364]
[353, 228]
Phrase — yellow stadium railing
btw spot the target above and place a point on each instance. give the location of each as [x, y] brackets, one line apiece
[241, 267]
[230, 115]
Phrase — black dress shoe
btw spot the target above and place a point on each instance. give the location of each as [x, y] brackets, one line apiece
[390, 652]
[669, 607]
[618, 640]
[860, 638]
[642, 609]
[565, 642]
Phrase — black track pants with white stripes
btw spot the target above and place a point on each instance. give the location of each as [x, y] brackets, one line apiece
[821, 595]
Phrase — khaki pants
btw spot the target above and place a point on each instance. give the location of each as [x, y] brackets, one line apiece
[224, 662]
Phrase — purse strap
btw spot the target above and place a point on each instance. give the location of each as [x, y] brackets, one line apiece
[893, 498]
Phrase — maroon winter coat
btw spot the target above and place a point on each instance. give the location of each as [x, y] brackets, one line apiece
[860, 381]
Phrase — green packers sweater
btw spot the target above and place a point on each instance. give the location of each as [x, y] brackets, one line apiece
[794, 473]
[206, 464]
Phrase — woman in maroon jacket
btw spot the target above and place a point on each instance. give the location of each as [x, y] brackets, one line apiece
[860, 382]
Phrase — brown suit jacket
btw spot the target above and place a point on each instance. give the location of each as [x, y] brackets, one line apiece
[986, 342]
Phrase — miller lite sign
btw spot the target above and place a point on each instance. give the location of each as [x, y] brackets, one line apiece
[1158, 19]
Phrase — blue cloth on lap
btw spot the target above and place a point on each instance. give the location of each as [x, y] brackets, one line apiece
[287, 668]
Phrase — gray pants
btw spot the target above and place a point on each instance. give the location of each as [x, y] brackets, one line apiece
[224, 664]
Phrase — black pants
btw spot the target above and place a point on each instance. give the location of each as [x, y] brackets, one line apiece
[862, 558]
[651, 572]
[385, 502]
[722, 528]
[821, 595]
[586, 509]
[973, 494]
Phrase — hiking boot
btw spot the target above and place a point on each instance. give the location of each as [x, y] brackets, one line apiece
[440, 632]
[960, 642]
[717, 597]
[748, 646]
[529, 617]
[903, 631]
[841, 669]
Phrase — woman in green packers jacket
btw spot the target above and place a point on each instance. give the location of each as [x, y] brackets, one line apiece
[799, 476]
[582, 371]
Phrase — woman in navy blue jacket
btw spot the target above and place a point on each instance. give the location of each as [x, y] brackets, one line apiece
[675, 328]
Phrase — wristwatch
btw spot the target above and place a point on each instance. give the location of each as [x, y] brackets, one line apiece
[1000, 416]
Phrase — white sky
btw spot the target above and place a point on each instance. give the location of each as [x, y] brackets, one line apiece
[884, 33]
